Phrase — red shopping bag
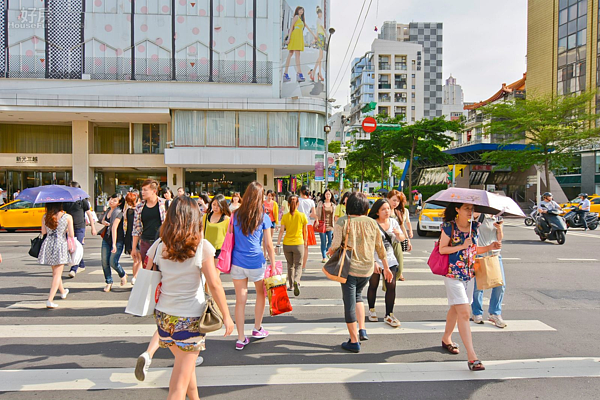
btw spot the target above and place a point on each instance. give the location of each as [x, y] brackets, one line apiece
[279, 302]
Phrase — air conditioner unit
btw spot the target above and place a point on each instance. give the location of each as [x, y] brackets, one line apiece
[86, 77]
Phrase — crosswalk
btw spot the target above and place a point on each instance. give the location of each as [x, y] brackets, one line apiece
[302, 349]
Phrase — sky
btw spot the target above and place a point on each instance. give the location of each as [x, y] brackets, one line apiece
[485, 41]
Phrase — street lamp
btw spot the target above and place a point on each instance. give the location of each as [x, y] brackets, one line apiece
[327, 101]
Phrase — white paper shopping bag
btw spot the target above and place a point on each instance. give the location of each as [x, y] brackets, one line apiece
[142, 299]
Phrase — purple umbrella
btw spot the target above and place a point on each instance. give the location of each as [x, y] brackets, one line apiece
[53, 194]
[484, 202]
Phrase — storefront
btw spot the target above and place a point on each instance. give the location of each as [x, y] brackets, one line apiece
[215, 182]
[108, 182]
[12, 180]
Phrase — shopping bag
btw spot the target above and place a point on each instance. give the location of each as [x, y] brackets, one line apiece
[269, 272]
[142, 299]
[77, 254]
[279, 302]
[488, 273]
[224, 264]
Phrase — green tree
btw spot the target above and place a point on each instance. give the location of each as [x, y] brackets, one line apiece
[425, 139]
[550, 127]
[334, 147]
[362, 163]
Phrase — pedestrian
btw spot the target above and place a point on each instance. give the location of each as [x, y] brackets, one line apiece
[250, 224]
[459, 241]
[235, 201]
[272, 210]
[324, 212]
[389, 230]
[398, 202]
[57, 225]
[490, 231]
[3, 196]
[78, 210]
[183, 256]
[203, 202]
[364, 239]
[294, 225]
[131, 201]
[180, 191]
[584, 208]
[16, 194]
[113, 241]
[216, 222]
[148, 218]
[340, 209]
[168, 196]
[307, 206]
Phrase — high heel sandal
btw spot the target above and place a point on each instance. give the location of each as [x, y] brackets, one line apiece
[311, 75]
[321, 78]
[107, 287]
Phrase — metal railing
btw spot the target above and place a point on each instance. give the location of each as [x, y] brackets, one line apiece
[158, 69]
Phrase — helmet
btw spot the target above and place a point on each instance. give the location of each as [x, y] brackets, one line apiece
[584, 195]
[547, 194]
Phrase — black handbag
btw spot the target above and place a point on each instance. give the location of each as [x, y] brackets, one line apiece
[337, 267]
[36, 246]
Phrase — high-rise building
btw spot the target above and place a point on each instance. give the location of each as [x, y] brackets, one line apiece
[562, 58]
[453, 105]
[430, 36]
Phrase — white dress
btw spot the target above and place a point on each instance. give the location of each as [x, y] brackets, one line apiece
[54, 250]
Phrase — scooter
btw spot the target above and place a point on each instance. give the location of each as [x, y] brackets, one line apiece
[553, 227]
[574, 220]
[530, 220]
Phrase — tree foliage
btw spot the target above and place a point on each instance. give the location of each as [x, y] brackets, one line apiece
[334, 146]
[551, 128]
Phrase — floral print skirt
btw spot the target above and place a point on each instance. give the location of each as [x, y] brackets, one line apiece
[183, 332]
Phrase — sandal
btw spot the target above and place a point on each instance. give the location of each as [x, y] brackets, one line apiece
[107, 287]
[401, 278]
[475, 365]
[311, 75]
[451, 348]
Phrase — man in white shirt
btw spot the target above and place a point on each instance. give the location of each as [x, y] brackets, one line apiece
[584, 208]
[3, 196]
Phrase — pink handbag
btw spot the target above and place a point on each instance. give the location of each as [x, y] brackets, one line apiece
[224, 264]
[439, 263]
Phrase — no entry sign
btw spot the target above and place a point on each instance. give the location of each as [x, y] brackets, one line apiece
[369, 124]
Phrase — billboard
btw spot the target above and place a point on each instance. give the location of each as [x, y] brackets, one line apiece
[304, 38]
[319, 168]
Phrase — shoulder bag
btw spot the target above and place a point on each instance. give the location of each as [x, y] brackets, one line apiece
[337, 267]
[439, 263]
[36, 245]
[320, 225]
[224, 264]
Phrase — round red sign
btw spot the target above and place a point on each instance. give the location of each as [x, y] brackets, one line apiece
[369, 124]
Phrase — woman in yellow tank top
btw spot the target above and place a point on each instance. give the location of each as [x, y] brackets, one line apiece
[295, 44]
[321, 43]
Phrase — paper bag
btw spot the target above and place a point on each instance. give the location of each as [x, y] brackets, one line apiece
[488, 272]
[143, 297]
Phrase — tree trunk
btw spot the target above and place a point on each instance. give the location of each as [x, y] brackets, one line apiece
[382, 173]
[547, 172]
[410, 168]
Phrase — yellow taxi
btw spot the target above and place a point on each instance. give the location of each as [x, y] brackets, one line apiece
[21, 215]
[593, 198]
[228, 198]
[430, 219]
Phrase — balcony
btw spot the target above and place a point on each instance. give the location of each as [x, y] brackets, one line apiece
[384, 98]
[398, 99]
[401, 67]
[400, 85]
[160, 69]
[384, 66]
[384, 85]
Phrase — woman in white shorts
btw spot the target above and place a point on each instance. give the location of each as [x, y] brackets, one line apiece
[459, 241]
[250, 225]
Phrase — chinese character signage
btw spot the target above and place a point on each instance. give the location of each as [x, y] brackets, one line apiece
[319, 167]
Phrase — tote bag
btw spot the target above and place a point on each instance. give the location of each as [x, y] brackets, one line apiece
[488, 274]
[439, 263]
[76, 256]
[337, 267]
[145, 292]
[224, 264]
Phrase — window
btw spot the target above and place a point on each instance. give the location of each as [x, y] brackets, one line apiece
[253, 129]
[220, 128]
[111, 140]
[46, 139]
[149, 138]
[283, 129]
[384, 82]
[189, 128]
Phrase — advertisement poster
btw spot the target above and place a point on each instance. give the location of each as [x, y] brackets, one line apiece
[319, 167]
[331, 174]
[294, 185]
[304, 37]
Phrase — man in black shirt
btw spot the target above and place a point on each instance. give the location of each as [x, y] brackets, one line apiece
[78, 210]
[149, 216]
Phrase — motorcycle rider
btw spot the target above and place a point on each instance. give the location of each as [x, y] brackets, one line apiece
[584, 209]
[547, 204]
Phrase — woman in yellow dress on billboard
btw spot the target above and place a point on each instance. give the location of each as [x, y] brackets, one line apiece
[321, 44]
[295, 43]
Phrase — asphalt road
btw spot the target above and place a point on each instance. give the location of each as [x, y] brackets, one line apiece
[88, 346]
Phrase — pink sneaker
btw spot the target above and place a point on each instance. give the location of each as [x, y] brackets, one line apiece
[240, 345]
[260, 334]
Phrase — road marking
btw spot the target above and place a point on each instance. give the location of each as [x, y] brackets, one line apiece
[295, 374]
[510, 259]
[310, 328]
[229, 285]
[9, 241]
[577, 259]
[296, 302]
[569, 233]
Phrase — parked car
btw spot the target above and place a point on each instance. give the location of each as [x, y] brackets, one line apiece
[21, 215]
[430, 219]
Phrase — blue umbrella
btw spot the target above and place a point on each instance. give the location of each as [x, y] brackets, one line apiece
[53, 194]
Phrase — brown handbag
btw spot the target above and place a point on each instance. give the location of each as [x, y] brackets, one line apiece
[337, 267]
[212, 317]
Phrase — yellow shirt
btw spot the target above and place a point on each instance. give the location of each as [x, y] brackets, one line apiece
[340, 211]
[215, 233]
[294, 226]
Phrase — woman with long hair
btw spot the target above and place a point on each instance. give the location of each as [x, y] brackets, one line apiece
[183, 256]
[325, 211]
[57, 225]
[364, 239]
[236, 201]
[459, 241]
[131, 201]
[400, 214]
[112, 243]
[307, 206]
[390, 234]
[340, 209]
[295, 44]
[294, 225]
[203, 202]
[321, 44]
[216, 221]
[168, 196]
[250, 225]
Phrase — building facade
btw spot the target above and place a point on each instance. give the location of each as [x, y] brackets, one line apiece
[430, 35]
[562, 58]
[111, 92]
[453, 104]
[389, 76]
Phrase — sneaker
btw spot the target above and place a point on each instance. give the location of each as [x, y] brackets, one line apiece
[392, 321]
[296, 289]
[497, 320]
[362, 334]
[300, 78]
[324, 261]
[286, 78]
[80, 269]
[240, 345]
[142, 365]
[260, 334]
[64, 296]
[133, 281]
[478, 319]
[72, 274]
[353, 347]
[199, 361]
[372, 315]
[51, 305]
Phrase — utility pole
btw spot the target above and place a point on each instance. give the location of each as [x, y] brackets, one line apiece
[327, 127]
